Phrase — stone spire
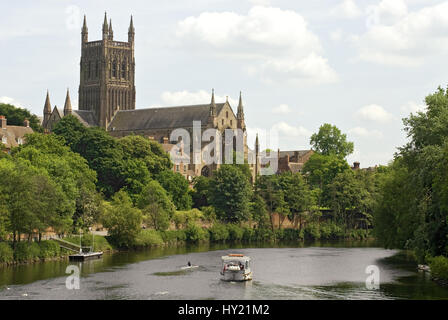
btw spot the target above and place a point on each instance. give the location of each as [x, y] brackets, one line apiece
[240, 114]
[111, 32]
[68, 104]
[105, 27]
[85, 31]
[131, 32]
[212, 114]
[47, 110]
[257, 157]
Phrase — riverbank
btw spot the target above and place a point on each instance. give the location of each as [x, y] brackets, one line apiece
[48, 250]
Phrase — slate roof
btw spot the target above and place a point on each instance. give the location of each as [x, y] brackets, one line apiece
[12, 134]
[292, 153]
[161, 118]
[85, 117]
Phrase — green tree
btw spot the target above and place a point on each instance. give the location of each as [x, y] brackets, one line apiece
[156, 206]
[230, 194]
[71, 129]
[200, 193]
[177, 187]
[16, 116]
[122, 220]
[330, 141]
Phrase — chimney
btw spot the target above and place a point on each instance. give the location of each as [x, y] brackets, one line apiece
[26, 123]
[356, 165]
[3, 122]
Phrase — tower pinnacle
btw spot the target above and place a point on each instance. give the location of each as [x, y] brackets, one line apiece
[111, 31]
[131, 32]
[68, 104]
[105, 27]
[85, 31]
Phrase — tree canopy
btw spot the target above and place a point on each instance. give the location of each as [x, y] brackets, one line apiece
[331, 141]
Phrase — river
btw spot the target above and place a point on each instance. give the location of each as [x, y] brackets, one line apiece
[313, 271]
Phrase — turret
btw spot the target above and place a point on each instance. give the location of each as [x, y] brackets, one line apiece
[85, 31]
[240, 114]
[105, 27]
[68, 104]
[111, 32]
[47, 110]
[212, 112]
[131, 32]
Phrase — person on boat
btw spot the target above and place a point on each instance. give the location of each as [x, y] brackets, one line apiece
[189, 264]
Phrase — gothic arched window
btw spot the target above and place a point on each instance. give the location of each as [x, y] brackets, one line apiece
[114, 69]
[123, 70]
[97, 69]
[89, 70]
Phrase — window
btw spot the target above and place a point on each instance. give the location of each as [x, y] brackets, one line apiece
[177, 168]
[231, 122]
[97, 69]
[185, 168]
[114, 69]
[222, 121]
[20, 141]
[123, 70]
[4, 140]
[227, 114]
[89, 70]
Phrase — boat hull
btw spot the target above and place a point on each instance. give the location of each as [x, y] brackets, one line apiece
[236, 275]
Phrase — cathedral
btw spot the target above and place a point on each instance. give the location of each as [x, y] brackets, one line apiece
[107, 99]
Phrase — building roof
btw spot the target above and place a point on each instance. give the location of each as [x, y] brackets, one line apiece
[161, 118]
[85, 117]
[292, 153]
[13, 134]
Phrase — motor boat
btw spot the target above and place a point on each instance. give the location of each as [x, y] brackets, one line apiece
[236, 267]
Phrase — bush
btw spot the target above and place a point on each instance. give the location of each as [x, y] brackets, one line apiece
[49, 249]
[263, 234]
[236, 233]
[6, 253]
[195, 233]
[439, 267]
[312, 231]
[26, 251]
[172, 236]
[148, 238]
[292, 235]
[219, 232]
[248, 234]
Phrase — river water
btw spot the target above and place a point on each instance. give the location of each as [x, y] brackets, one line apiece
[314, 271]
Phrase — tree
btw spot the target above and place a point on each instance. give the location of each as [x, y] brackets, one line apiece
[200, 193]
[330, 141]
[177, 187]
[71, 129]
[230, 194]
[156, 206]
[122, 220]
[17, 116]
[259, 211]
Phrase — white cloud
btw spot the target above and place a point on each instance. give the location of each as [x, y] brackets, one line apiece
[347, 9]
[282, 109]
[336, 35]
[12, 101]
[412, 107]
[396, 36]
[374, 113]
[260, 2]
[284, 129]
[274, 44]
[182, 98]
[363, 132]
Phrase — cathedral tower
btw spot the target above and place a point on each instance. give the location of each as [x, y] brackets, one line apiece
[107, 77]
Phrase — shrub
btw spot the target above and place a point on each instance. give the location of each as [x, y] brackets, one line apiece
[292, 235]
[26, 251]
[312, 231]
[6, 253]
[49, 249]
[149, 238]
[219, 232]
[263, 234]
[236, 233]
[195, 233]
[248, 234]
[172, 236]
[439, 267]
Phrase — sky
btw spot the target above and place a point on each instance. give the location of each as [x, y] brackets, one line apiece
[360, 65]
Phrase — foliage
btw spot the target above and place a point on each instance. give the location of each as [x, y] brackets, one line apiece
[156, 206]
[195, 233]
[182, 218]
[330, 141]
[231, 194]
[149, 238]
[219, 232]
[200, 194]
[16, 116]
[26, 251]
[439, 267]
[49, 249]
[177, 187]
[6, 253]
[122, 220]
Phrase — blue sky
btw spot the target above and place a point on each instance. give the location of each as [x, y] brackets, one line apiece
[361, 65]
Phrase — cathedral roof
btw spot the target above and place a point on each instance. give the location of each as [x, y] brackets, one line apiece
[162, 118]
[85, 117]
